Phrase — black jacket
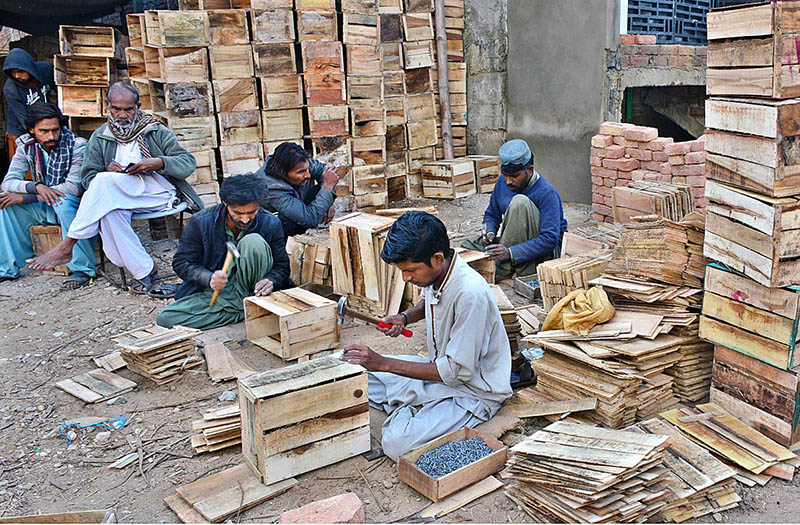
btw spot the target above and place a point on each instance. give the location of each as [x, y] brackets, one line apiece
[19, 96]
[201, 250]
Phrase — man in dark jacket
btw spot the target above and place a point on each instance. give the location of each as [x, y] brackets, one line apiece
[299, 188]
[262, 268]
[28, 82]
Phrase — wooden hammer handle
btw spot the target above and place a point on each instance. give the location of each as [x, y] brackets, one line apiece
[225, 267]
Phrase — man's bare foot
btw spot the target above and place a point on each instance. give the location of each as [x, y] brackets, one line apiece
[60, 254]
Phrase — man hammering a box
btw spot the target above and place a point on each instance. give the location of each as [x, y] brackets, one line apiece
[465, 378]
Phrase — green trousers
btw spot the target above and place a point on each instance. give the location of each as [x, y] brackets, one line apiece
[520, 224]
[193, 311]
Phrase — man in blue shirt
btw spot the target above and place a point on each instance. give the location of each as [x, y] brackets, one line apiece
[529, 209]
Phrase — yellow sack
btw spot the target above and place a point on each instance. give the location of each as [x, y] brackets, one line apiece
[580, 311]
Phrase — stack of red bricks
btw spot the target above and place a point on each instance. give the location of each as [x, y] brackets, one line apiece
[642, 51]
[624, 152]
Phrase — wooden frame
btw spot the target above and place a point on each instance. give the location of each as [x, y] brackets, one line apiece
[87, 41]
[82, 101]
[75, 70]
[487, 171]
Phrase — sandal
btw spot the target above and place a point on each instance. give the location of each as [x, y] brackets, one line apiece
[80, 278]
[163, 291]
[4, 278]
[147, 286]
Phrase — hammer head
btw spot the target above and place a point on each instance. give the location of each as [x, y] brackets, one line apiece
[232, 249]
[341, 309]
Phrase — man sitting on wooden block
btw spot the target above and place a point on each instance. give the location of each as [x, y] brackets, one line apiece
[300, 189]
[262, 265]
[529, 208]
[465, 378]
[54, 157]
[133, 164]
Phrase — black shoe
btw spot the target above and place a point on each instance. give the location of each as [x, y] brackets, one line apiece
[523, 376]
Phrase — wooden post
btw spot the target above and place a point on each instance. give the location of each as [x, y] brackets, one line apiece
[444, 81]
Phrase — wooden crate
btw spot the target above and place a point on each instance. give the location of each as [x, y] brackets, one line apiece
[745, 316]
[369, 179]
[176, 64]
[85, 126]
[239, 127]
[193, 133]
[205, 171]
[274, 59]
[418, 6]
[753, 234]
[368, 118]
[281, 92]
[328, 120]
[360, 29]
[448, 179]
[302, 417]
[364, 60]
[390, 6]
[334, 150]
[395, 165]
[181, 99]
[177, 28]
[291, 323]
[360, 88]
[369, 150]
[136, 31]
[145, 100]
[311, 5]
[231, 61]
[419, 81]
[227, 27]
[82, 101]
[238, 159]
[271, 4]
[74, 70]
[322, 57]
[394, 84]
[205, 5]
[420, 107]
[282, 124]
[417, 26]
[44, 239]
[364, 7]
[309, 260]
[87, 41]
[235, 94]
[392, 56]
[325, 90]
[752, 51]
[134, 57]
[764, 397]
[395, 111]
[421, 133]
[418, 54]
[750, 144]
[437, 488]
[487, 171]
[397, 185]
[317, 25]
[391, 27]
[396, 139]
[273, 25]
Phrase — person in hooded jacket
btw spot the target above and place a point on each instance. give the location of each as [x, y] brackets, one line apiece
[28, 82]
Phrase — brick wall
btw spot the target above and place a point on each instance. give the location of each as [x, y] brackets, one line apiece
[642, 51]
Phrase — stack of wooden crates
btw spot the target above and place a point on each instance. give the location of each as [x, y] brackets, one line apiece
[751, 305]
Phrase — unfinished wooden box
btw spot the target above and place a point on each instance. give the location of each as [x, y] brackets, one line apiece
[369, 150]
[417, 26]
[75, 70]
[177, 28]
[82, 101]
[274, 59]
[753, 234]
[193, 133]
[365, 7]
[85, 126]
[752, 50]
[239, 127]
[360, 29]
[364, 60]
[231, 61]
[437, 488]
[136, 32]
[448, 179]
[205, 172]
[87, 41]
[227, 27]
[235, 94]
[418, 54]
[281, 92]
[328, 120]
[392, 56]
[309, 260]
[745, 316]
[241, 158]
[291, 323]
[176, 64]
[134, 57]
[181, 99]
[317, 25]
[764, 397]
[368, 118]
[311, 5]
[282, 124]
[302, 417]
[750, 144]
[329, 89]
[364, 88]
[273, 25]
[44, 239]
[322, 57]
[487, 171]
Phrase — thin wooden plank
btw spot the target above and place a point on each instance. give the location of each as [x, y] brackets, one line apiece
[547, 408]
[77, 390]
[461, 498]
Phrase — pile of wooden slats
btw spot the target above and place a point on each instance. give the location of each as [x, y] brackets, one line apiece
[157, 353]
[662, 199]
[559, 277]
[589, 237]
[572, 473]
[310, 259]
[509, 316]
[96, 386]
[220, 428]
[692, 373]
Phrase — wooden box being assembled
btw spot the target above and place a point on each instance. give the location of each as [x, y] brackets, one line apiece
[487, 171]
[742, 315]
[437, 488]
[752, 51]
[764, 397]
[291, 323]
[87, 41]
[750, 143]
[302, 417]
[448, 179]
[756, 235]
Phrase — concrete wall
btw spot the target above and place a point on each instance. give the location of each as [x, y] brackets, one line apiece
[556, 77]
[485, 52]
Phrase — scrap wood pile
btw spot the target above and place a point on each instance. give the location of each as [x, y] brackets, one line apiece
[559, 277]
[157, 353]
[220, 428]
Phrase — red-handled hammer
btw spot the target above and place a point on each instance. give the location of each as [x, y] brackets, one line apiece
[342, 310]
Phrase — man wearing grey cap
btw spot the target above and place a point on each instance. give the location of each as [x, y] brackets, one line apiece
[529, 209]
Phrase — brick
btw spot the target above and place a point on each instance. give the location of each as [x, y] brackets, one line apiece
[614, 151]
[638, 174]
[621, 164]
[597, 181]
[624, 175]
[701, 202]
[664, 168]
[675, 61]
[646, 39]
[597, 152]
[611, 128]
[660, 156]
[698, 181]
[678, 180]
[619, 140]
[652, 165]
[668, 50]
[676, 160]
[659, 61]
[629, 49]
[604, 191]
[659, 143]
[640, 133]
[648, 49]
[598, 171]
[639, 60]
[698, 144]
[685, 50]
[609, 182]
[597, 197]
[627, 39]
[678, 148]
[695, 157]
[639, 154]
[601, 141]
[689, 169]
[344, 508]
[626, 60]
[602, 209]
[609, 201]
[598, 217]
[595, 161]
[698, 193]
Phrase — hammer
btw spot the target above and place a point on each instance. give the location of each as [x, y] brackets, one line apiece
[232, 252]
[342, 310]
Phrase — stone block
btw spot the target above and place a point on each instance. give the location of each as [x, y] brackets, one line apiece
[344, 508]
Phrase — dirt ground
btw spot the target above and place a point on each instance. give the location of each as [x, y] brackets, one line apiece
[47, 335]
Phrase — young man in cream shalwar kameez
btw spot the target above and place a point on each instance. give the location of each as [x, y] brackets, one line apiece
[465, 379]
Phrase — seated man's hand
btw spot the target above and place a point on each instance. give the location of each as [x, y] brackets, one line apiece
[264, 287]
[115, 167]
[488, 238]
[498, 252]
[398, 322]
[11, 198]
[364, 356]
[148, 165]
[328, 216]
[49, 195]
[218, 280]
[329, 179]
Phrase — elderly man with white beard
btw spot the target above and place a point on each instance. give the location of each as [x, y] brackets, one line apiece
[133, 164]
